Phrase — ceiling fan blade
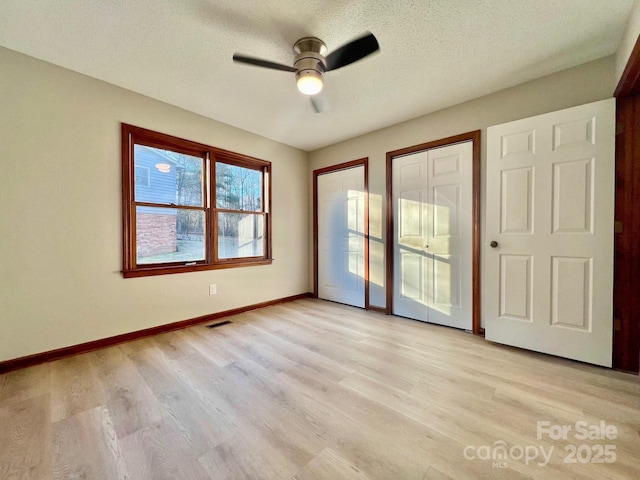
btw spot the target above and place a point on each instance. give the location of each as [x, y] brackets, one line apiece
[320, 102]
[352, 52]
[258, 62]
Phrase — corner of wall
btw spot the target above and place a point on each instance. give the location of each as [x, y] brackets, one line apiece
[628, 41]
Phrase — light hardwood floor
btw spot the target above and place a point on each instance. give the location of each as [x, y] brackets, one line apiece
[313, 390]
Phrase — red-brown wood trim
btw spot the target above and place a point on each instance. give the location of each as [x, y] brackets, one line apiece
[38, 358]
[367, 305]
[477, 234]
[629, 83]
[132, 135]
[269, 206]
[127, 220]
[626, 302]
[389, 235]
[334, 168]
[160, 140]
[341, 166]
[315, 234]
[375, 308]
[463, 137]
[475, 137]
[169, 270]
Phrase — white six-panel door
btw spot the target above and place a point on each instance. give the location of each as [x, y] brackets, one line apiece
[432, 205]
[549, 209]
[341, 197]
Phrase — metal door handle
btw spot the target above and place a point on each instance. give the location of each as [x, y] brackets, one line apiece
[426, 246]
[493, 244]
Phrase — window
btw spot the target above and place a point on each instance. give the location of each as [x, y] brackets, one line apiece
[142, 176]
[188, 206]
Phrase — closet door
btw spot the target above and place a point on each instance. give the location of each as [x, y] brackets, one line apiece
[341, 269]
[432, 206]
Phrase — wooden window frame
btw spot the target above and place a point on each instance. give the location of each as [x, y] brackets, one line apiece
[131, 136]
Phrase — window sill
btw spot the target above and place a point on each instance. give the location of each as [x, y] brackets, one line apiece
[165, 270]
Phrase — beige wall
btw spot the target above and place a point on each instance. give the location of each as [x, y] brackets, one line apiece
[628, 41]
[60, 214]
[583, 84]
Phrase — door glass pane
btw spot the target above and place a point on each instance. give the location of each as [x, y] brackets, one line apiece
[166, 235]
[238, 188]
[163, 176]
[240, 235]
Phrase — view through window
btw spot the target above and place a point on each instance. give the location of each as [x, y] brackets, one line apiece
[187, 206]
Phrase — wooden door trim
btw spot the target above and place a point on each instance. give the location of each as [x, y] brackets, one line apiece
[629, 83]
[475, 137]
[626, 326]
[331, 169]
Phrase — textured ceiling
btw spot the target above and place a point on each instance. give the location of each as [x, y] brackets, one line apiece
[434, 53]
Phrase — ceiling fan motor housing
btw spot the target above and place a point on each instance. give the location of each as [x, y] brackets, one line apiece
[310, 44]
[310, 53]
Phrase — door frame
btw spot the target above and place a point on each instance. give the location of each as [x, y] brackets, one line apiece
[475, 137]
[331, 169]
[626, 303]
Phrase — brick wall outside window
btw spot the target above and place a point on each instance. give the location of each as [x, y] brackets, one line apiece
[156, 234]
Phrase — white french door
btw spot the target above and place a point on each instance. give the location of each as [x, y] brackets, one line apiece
[548, 283]
[432, 195]
[341, 236]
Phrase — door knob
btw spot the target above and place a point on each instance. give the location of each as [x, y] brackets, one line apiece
[493, 244]
[426, 246]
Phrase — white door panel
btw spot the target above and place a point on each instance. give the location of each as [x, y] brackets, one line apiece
[341, 236]
[432, 202]
[550, 190]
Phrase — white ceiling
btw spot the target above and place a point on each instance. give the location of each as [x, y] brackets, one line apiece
[434, 53]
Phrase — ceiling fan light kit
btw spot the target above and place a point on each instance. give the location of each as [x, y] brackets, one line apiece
[309, 82]
[310, 62]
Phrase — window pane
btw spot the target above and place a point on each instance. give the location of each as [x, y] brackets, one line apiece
[142, 175]
[240, 235]
[169, 235]
[172, 177]
[238, 188]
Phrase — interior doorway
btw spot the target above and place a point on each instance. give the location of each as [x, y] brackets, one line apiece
[341, 227]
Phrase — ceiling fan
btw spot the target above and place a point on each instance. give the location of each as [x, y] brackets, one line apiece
[310, 63]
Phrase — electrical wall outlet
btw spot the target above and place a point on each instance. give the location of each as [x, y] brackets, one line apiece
[213, 289]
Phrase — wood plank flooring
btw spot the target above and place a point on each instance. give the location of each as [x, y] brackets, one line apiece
[312, 390]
